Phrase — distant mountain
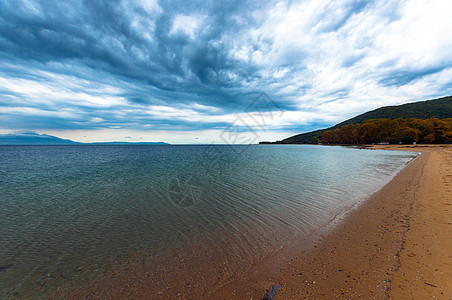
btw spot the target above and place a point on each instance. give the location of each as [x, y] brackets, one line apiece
[33, 138]
[440, 108]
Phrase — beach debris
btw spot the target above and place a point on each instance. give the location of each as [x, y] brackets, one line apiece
[271, 292]
[430, 284]
[5, 267]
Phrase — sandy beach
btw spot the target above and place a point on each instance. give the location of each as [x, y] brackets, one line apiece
[396, 245]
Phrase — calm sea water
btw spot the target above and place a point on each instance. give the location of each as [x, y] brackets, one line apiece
[68, 213]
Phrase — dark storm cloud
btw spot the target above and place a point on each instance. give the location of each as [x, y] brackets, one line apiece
[101, 35]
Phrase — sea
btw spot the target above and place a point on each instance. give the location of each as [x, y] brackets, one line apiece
[73, 217]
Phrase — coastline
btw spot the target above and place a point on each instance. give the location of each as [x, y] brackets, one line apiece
[395, 245]
[371, 253]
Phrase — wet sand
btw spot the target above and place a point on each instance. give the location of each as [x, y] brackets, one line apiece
[398, 244]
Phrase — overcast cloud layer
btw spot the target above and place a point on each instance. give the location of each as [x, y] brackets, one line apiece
[177, 70]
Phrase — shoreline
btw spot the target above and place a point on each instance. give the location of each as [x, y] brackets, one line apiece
[362, 255]
[378, 249]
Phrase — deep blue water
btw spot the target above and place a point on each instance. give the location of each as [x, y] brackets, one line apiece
[70, 212]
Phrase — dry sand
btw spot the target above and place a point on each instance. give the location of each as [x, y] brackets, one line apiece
[426, 260]
[398, 244]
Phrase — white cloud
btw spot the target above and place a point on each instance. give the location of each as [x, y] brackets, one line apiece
[64, 114]
[151, 6]
[189, 25]
[62, 90]
[382, 39]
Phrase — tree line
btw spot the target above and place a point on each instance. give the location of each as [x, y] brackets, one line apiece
[405, 131]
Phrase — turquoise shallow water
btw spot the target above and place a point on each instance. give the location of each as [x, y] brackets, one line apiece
[70, 212]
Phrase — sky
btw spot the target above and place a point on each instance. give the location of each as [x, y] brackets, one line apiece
[188, 71]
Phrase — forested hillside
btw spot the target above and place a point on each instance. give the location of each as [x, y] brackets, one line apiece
[440, 108]
[400, 130]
